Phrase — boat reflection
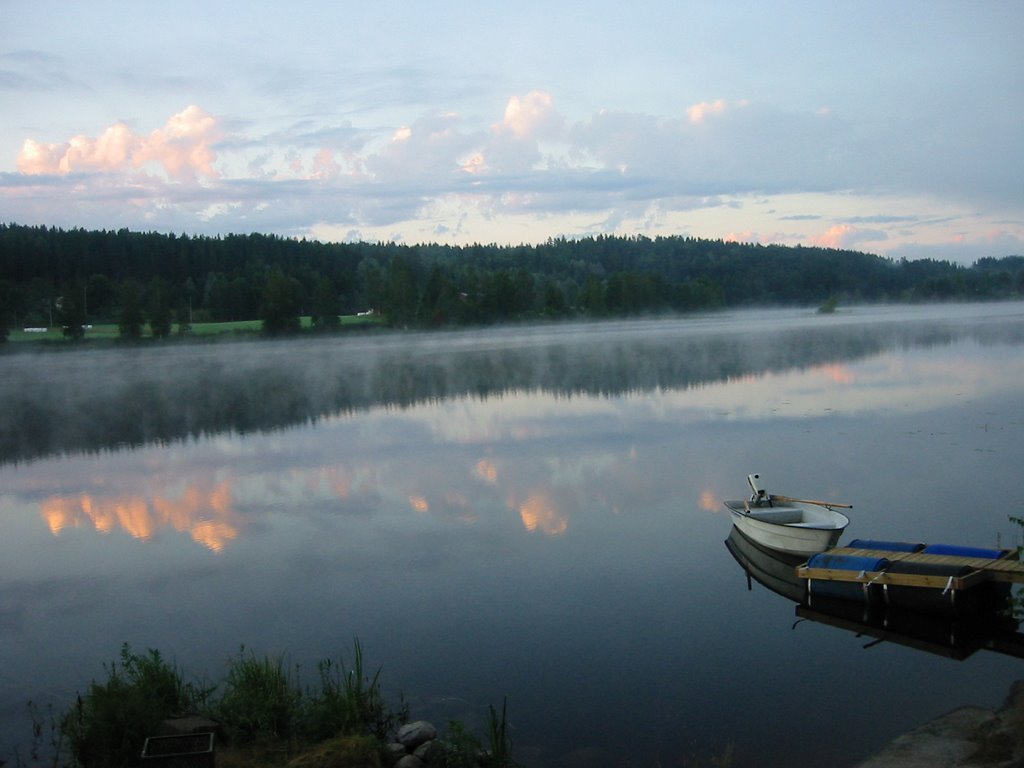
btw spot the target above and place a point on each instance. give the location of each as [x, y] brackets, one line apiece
[954, 637]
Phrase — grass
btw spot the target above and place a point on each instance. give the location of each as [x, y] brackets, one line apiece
[266, 717]
[109, 724]
[260, 700]
[349, 703]
[109, 331]
[499, 745]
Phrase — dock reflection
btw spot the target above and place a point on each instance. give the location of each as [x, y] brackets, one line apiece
[953, 637]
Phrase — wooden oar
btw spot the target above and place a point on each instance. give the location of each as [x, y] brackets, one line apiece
[812, 501]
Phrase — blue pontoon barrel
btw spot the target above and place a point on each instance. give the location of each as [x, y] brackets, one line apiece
[958, 551]
[930, 599]
[886, 546]
[845, 590]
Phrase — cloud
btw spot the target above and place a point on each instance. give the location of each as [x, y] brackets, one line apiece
[964, 248]
[184, 148]
[428, 148]
[531, 117]
[699, 112]
[325, 166]
[747, 148]
[626, 170]
[33, 71]
[846, 236]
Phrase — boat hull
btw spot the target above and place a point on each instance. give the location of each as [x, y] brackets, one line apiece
[768, 567]
[803, 538]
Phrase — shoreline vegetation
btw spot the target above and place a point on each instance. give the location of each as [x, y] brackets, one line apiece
[263, 714]
[100, 333]
[133, 285]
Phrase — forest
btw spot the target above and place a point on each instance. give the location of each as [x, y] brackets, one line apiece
[153, 282]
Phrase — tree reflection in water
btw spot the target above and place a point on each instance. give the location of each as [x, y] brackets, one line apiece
[86, 400]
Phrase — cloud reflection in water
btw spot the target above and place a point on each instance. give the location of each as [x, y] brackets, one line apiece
[465, 459]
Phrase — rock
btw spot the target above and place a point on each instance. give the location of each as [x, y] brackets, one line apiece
[410, 761]
[394, 752]
[188, 724]
[969, 736]
[943, 742]
[428, 751]
[412, 735]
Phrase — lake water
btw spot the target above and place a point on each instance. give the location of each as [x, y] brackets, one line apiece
[532, 512]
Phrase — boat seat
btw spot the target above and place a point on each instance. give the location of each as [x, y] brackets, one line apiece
[782, 516]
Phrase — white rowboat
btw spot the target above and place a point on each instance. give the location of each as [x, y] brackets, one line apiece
[796, 526]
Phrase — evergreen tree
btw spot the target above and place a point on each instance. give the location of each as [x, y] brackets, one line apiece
[282, 302]
[99, 296]
[591, 297]
[159, 308]
[129, 322]
[400, 298]
[554, 300]
[6, 309]
[184, 316]
[71, 312]
[325, 305]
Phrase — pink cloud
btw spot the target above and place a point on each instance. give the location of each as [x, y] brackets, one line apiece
[847, 236]
[838, 236]
[532, 116]
[429, 147]
[513, 143]
[475, 164]
[741, 237]
[698, 112]
[325, 166]
[36, 158]
[183, 147]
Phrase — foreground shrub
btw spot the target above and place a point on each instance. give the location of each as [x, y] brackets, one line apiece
[266, 717]
[109, 724]
[461, 749]
[350, 702]
[259, 701]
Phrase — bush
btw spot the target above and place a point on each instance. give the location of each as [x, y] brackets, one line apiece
[460, 748]
[109, 724]
[350, 703]
[259, 701]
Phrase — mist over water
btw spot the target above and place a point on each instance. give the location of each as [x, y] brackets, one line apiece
[84, 400]
[533, 512]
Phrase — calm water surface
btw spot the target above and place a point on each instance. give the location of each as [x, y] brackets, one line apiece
[534, 513]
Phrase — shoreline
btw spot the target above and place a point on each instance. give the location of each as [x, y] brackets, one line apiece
[966, 736]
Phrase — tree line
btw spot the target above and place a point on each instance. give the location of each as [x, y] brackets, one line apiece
[71, 278]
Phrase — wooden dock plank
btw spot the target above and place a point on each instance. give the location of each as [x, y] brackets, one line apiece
[896, 579]
[1006, 569]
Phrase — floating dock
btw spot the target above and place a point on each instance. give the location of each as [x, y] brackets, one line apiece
[942, 578]
[934, 570]
[953, 624]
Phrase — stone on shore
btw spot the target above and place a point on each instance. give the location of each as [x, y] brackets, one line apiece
[969, 736]
[412, 735]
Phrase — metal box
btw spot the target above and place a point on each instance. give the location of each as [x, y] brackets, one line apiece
[187, 750]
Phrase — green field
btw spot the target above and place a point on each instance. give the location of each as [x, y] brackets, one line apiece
[110, 330]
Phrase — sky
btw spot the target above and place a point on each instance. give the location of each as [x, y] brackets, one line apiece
[895, 128]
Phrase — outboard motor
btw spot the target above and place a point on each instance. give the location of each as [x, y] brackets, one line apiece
[760, 495]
